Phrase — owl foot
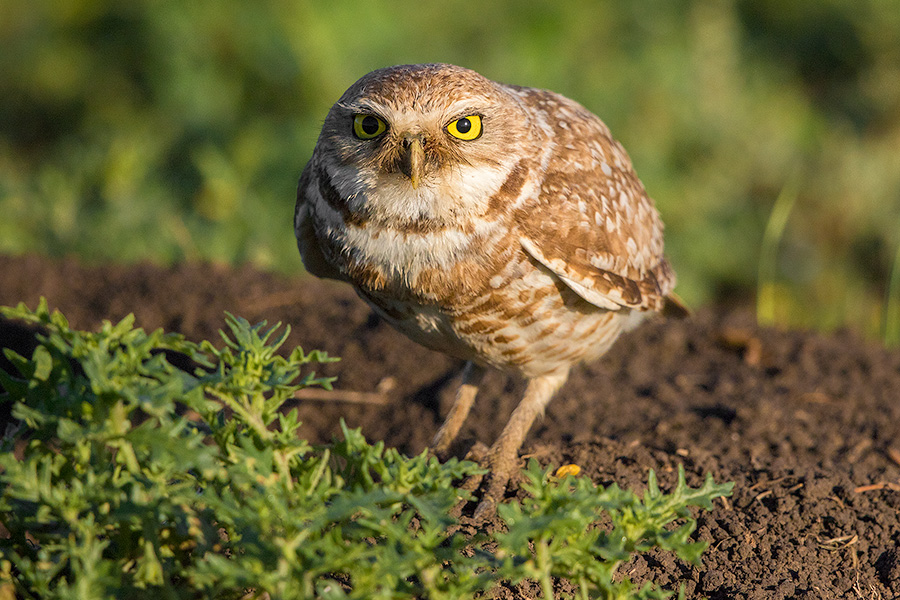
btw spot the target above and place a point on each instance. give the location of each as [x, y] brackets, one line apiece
[488, 488]
[494, 489]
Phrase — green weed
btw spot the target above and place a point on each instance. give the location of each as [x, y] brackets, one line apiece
[128, 477]
[891, 330]
[767, 294]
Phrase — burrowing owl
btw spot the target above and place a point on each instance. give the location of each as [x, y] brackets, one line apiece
[499, 224]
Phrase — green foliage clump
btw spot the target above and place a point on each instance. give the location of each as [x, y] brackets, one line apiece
[130, 477]
[553, 521]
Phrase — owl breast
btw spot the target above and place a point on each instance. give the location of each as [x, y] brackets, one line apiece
[465, 288]
[520, 319]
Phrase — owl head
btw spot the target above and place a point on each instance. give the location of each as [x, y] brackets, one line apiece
[416, 142]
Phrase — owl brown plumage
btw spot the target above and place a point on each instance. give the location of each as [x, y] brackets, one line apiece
[499, 224]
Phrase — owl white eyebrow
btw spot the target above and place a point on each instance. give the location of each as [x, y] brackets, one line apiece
[467, 113]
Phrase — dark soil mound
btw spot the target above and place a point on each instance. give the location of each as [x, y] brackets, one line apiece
[807, 426]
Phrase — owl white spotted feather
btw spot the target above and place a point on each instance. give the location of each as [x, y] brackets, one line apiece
[499, 224]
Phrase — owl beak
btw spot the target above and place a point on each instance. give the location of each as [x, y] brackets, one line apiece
[412, 159]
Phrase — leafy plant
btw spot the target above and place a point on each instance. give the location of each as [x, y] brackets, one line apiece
[129, 477]
[553, 521]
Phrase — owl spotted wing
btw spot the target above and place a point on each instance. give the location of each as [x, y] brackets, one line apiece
[310, 250]
[604, 288]
[591, 222]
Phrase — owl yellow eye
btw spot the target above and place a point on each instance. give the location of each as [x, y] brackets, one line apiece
[467, 128]
[366, 127]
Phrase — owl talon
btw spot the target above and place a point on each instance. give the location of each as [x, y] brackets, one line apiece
[494, 491]
[472, 483]
[488, 489]
[486, 509]
[478, 452]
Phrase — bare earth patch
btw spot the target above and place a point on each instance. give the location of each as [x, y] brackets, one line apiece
[807, 426]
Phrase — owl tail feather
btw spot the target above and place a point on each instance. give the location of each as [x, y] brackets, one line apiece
[674, 307]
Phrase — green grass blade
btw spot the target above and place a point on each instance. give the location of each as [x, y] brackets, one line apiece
[891, 334]
[766, 299]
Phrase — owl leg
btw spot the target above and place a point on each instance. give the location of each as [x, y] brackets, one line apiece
[502, 459]
[472, 375]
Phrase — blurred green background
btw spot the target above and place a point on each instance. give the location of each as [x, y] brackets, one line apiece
[170, 130]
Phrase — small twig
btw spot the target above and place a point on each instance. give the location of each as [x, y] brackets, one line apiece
[874, 594]
[320, 395]
[769, 482]
[868, 488]
[836, 499]
[764, 494]
[380, 396]
[839, 543]
[260, 304]
[877, 486]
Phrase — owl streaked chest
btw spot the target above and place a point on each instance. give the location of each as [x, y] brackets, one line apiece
[519, 319]
[427, 294]
[445, 267]
[438, 245]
